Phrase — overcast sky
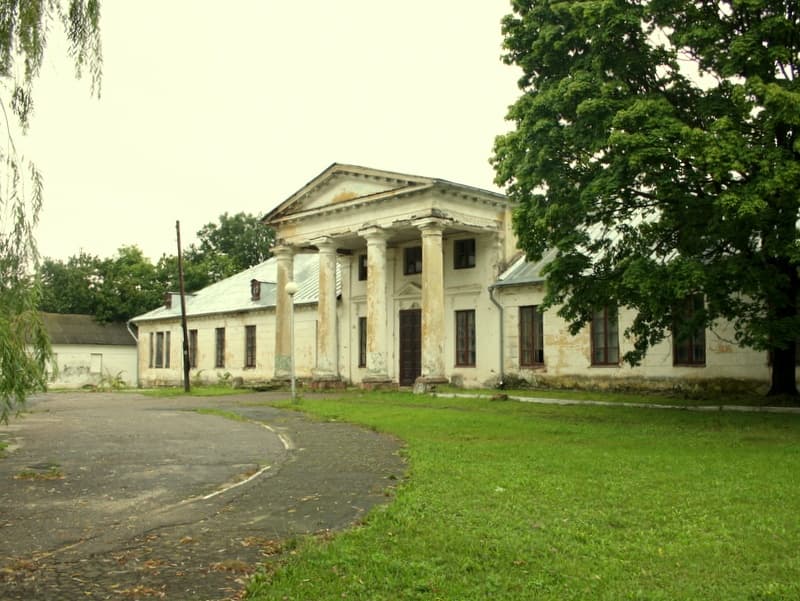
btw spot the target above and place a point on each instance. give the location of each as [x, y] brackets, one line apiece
[209, 107]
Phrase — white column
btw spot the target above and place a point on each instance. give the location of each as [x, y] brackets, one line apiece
[432, 302]
[377, 356]
[327, 362]
[284, 256]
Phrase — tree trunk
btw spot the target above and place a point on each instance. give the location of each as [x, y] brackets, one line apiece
[784, 311]
[784, 381]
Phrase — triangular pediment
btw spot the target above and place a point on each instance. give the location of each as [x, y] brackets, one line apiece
[340, 185]
[409, 290]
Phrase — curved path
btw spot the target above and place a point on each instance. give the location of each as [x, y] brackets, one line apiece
[121, 496]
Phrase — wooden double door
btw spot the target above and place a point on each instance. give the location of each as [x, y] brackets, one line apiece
[410, 346]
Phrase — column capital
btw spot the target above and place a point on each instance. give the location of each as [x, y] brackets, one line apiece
[324, 244]
[430, 225]
[373, 233]
[282, 251]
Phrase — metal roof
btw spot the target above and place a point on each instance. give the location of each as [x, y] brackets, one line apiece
[233, 295]
[83, 329]
[523, 271]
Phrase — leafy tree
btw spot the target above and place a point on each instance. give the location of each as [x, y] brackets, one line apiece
[656, 148]
[240, 237]
[128, 286]
[71, 286]
[23, 29]
[199, 270]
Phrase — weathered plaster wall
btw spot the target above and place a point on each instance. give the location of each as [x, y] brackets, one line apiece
[86, 364]
[463, 289]
[567, 358]
[234, 324]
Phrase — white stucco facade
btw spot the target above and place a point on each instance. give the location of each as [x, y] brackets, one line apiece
[88, 353]
[402, 280]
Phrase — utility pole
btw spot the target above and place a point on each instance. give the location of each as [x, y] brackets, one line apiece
[186, 365]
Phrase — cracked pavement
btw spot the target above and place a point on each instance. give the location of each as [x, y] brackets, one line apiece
[121, 496]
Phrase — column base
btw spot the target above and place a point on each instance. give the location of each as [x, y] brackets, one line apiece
[381, 382]
[327, 385]
[326, 381]
[426, 384]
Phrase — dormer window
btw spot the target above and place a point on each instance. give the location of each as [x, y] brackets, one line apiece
[255, 290]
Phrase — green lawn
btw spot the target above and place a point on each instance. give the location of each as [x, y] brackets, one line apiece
[508, 500]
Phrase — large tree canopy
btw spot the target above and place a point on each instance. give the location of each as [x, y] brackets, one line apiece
[24, 25]
[240, 237]
[656, 149]
[129, 284]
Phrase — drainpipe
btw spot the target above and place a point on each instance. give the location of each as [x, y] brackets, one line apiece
[136, 338]
[502, 335]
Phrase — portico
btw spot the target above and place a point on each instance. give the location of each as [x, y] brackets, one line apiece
[365, 224]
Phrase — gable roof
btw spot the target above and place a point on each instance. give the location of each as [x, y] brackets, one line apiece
[391, 183]
[83, 329]
[233, 295]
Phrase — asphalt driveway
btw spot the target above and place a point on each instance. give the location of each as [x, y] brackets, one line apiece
[121, 496]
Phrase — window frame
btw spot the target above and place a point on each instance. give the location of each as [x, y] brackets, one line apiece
[693, 340]
[412, 260]
[363, 272]
[219, 348]
[167, 349]
[193, 349]
[250, 346]
[607, 315]
[362, 341]
[531, 336]
[464, 253]
[466, 345]
[159, 362]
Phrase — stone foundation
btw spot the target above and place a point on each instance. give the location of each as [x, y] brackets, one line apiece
[677, 386]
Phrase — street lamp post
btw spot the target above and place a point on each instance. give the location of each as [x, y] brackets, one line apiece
[291, 290]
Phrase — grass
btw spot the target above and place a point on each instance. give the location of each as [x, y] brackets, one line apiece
[509, 500]
[222, 413]
[641, 398]
[196, 391]
[49, 471]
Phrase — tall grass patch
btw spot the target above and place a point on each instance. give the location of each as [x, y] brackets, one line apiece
[507, 500]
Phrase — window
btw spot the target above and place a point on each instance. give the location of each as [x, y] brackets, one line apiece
[412, 260]
[362, 341]
[219, 349]
[159, 349]
[465, 338]
[688, 347]
[249, 346]
[605, 337]
[166, 348]
[531, 336]
[162, 350]
[150, 357]
[362, 268]
[192, 348]
[255, 290]
[464, 254]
